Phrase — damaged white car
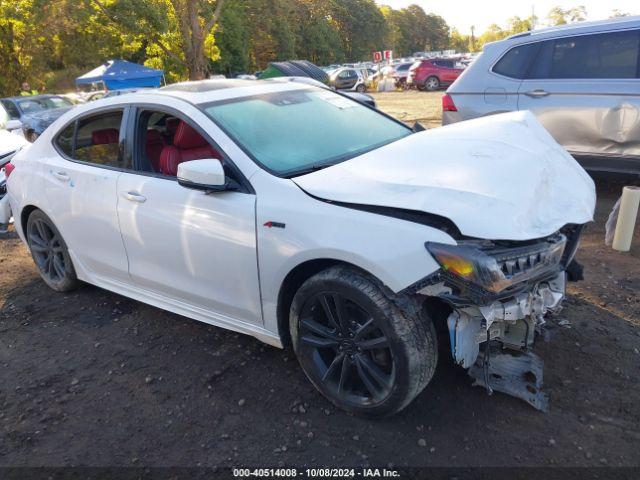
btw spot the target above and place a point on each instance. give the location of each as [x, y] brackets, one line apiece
[296, 215]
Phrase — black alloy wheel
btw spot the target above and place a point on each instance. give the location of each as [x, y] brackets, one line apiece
[350, 353]
[50, 253]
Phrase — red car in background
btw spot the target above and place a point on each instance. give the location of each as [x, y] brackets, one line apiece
[433, 73]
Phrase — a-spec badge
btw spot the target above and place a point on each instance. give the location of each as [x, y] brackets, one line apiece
[271, 224]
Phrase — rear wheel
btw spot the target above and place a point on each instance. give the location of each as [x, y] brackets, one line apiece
[361, 88]
[432, 83]
[50, 253]
[357, 347]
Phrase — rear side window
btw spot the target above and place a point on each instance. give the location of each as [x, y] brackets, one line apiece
[601, 56]
[94, 139]
[64, 140]
[515, 63]
[444, 63]
[98, 139]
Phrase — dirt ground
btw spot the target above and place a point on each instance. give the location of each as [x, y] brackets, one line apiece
[91, 378]
[412, 106]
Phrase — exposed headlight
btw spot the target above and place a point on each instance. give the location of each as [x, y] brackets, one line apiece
[498, 268]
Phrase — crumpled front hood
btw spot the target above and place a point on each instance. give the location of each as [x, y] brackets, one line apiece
[501, 177]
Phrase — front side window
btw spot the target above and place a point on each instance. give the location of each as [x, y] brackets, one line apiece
[291, 132]
[94, 139]
[164, 141]
[599, 56]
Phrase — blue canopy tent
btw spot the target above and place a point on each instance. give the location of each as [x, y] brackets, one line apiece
[119, 74]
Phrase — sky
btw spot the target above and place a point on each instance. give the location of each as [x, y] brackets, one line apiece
[482, 13]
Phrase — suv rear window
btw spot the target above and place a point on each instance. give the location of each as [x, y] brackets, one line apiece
[515, 63]
[604, 55]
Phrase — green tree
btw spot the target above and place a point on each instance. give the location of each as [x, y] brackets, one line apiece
[561, 16]
[233, 40]
[458, 41]
[361, 26]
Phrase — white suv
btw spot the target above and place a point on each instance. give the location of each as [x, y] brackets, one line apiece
[295, 214]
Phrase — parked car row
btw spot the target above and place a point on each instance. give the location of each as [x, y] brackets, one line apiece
[422, 73]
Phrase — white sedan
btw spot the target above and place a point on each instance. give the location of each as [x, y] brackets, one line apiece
[294, 214]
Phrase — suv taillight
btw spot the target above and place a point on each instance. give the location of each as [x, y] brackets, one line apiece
[8, 168]
[447, 103]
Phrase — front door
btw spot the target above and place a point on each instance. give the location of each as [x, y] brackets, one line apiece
[346, 79]
[80, 188]
[189, 246]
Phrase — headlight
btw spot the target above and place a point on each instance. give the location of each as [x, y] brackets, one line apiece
[498, 268]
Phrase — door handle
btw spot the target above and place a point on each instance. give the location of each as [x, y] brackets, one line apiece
[538, 93]
[62, 176]
[135, 197]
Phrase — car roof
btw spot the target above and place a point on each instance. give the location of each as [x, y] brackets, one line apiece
[596, 26]
[205, 91]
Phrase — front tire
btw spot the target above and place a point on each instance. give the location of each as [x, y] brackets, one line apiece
[432, 84]
[50, 253]
[359, 349]
[361, 88]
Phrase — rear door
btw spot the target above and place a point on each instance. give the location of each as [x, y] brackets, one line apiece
[80, 188]
[446, 71]
[586, 91]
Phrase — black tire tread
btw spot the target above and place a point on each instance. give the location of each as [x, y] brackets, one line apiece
[417, 335]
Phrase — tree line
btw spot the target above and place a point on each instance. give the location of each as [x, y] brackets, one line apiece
[50, 42]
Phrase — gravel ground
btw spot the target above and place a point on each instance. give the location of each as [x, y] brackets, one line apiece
[412, 106]
[94, 379]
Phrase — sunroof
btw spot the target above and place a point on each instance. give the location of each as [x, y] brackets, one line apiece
[208, 85]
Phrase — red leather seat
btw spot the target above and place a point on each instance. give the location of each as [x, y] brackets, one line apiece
[153, 146]
[105, 136]
[171, 125]
[188, 144]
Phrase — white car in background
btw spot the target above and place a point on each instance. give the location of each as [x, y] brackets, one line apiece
[10, 143]
[349, 79]
[297, 215]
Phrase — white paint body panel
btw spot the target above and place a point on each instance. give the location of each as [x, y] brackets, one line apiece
[190, 246]
[501, 177]
[210, 257]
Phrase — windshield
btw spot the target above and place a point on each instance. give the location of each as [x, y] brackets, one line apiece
[290, 133]
[30, 105]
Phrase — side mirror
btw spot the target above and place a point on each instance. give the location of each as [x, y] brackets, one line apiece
[205, 175]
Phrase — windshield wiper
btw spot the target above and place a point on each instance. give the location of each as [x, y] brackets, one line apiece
[310, 169]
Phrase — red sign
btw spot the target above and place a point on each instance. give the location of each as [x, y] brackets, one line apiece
[388, 54]
[377, 57]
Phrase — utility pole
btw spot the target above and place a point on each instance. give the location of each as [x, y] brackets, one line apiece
[533, 17]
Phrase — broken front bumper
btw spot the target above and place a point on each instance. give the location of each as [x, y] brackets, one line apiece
[510, 325]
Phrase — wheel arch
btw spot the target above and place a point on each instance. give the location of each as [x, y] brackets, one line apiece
[24, 216]
[292, 283]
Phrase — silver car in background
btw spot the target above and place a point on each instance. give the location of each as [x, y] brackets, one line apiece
[582, 81]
